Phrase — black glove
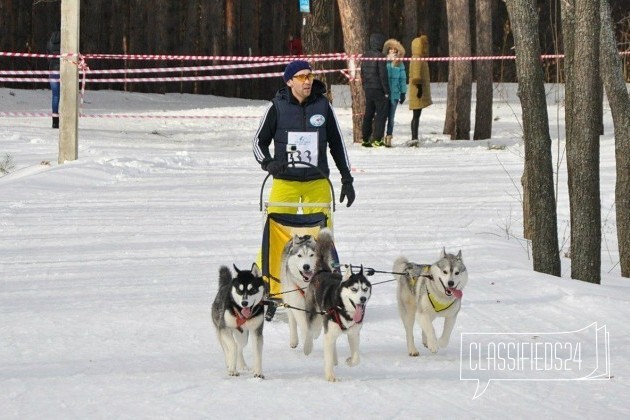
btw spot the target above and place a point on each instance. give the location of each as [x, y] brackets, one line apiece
[347, 190]
[274, 167]
[419, 94]
[402, 98]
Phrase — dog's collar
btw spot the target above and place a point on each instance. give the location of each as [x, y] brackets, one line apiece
[437, 305]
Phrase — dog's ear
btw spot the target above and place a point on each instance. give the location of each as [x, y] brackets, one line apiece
[256, 271]
[236, 268]
[361, 270]
[443, 253]
[348, 272]
[459, 255]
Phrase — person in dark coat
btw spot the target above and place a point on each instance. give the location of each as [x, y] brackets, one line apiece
[302, 124]
[53, 47]
[376, 87]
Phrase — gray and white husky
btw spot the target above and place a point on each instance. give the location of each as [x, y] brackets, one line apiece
[238, 309]
[296, 271]
[336, 302]
[428, 291]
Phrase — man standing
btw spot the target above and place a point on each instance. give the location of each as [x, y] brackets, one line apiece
[376, 87]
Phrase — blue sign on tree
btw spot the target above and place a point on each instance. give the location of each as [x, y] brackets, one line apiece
[305, 6]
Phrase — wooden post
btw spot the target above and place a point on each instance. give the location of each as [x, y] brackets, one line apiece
[69, 73]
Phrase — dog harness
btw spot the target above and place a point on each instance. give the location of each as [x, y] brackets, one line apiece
[437, 305]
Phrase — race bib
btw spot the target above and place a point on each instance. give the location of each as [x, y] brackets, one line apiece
[302, 146]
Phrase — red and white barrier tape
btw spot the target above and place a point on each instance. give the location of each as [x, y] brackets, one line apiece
[13, 114]
[151, 70]
[159, 79]
[309, 57]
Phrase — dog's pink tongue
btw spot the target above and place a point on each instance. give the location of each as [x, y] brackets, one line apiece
[246, 312]
[456, 292]
[358, 313]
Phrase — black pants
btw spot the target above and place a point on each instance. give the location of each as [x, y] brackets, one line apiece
[415, 122]
[375, 112]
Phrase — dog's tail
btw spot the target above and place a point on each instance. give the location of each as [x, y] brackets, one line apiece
[324, 251]
[400, 265]
[225, 276]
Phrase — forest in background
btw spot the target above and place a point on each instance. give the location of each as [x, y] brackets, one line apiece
[251, 28]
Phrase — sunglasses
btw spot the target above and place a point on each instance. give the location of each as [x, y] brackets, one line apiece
[304, 77]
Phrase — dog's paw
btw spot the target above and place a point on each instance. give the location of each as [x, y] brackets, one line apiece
[331, 378]
[433, 346]
[293, 344]
[353, 360]
[414, 353]
[259, 375]
[233, 373]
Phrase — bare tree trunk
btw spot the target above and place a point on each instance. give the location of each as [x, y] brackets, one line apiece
[582, 30]
[231, 34]
[612, 76]
[410, 16]
[483, 71]
[316, 38]
[355, 37]
[539, 191]
[459, 45]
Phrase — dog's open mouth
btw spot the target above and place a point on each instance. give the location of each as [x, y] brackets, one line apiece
[246, 312]
[451, 291]
[307, 275]
[359, 312]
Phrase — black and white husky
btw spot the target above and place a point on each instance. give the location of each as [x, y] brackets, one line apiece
[336, 302]
[428, 291]
[297, 269]
[238, 309]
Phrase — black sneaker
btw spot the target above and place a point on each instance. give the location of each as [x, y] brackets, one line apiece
[366, 143]
[271, 310]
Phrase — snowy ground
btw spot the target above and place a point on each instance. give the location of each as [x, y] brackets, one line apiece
[108, 266]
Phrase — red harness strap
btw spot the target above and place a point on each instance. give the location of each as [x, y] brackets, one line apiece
[334, 314]
[240, 319]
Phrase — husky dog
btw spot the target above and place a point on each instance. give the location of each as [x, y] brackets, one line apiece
[238, 309]
[296, 271]
[337, 303]
[428, 292]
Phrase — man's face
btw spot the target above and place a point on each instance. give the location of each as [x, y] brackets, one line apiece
[301, 84]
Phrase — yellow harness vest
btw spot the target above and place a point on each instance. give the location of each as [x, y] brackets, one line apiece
[437, 305]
